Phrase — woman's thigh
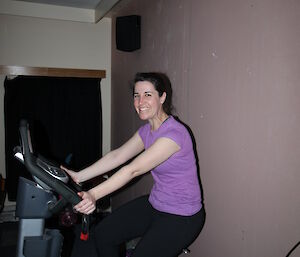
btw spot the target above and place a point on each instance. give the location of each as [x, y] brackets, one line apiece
[129, 221]
[169, 234]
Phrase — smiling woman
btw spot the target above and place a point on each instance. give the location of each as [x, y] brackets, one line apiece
[148, 103]
[150, 99]
[173, 215]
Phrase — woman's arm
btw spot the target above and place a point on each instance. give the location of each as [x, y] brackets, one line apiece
[159, 152]
[111, 160]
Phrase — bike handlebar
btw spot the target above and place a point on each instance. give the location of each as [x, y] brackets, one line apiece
[29, 160]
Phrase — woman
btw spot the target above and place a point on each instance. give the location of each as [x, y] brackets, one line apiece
[172, 216]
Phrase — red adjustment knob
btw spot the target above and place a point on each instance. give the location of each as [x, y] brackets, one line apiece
[84, 237]
[85, 228]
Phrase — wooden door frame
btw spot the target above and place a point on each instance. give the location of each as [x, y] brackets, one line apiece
[51, 72]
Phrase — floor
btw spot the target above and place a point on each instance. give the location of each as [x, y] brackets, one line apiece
[73, 246]
[8, 238]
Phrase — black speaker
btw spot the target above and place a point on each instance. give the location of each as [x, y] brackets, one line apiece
[128, 33]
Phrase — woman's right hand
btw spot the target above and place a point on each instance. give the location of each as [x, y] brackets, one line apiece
[74, 175]
[88, 203]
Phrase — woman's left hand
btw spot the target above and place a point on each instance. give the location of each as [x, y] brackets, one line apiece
[88, 203]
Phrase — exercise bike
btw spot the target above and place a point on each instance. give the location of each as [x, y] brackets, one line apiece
[37, 201]
[40, 199]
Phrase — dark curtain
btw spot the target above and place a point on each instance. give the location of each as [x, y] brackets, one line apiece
[65, 121]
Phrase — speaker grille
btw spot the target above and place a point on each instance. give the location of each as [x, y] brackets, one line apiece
[128, 33]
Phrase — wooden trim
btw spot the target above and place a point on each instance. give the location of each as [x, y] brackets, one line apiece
[51, 72]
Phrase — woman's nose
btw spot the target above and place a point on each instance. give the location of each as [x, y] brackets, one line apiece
[141, 99]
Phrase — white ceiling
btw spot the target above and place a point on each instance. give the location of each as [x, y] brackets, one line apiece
[74, 10]
[85, 4]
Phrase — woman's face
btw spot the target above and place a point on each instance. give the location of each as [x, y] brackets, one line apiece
[147, 102]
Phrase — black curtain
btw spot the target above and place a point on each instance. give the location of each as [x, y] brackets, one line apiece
[65, 121]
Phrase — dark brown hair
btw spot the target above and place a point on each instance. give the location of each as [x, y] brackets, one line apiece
[161, 83]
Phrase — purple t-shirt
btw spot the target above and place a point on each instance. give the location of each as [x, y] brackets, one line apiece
[176, 187]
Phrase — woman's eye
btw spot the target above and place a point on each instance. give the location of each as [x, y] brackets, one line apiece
[135, 96]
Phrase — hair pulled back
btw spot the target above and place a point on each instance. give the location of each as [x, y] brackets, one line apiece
[161, 83]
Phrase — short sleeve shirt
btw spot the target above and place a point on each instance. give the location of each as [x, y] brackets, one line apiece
[176, 186]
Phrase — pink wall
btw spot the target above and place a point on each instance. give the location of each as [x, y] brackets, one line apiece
[235, 69]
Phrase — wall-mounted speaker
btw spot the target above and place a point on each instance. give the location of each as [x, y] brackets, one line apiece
[128, 33]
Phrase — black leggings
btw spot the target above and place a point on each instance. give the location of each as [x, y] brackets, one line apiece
[162, 234]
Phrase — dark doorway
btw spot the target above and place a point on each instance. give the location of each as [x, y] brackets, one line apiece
[65, 118]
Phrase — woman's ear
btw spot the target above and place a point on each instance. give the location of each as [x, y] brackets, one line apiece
[163, 97]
